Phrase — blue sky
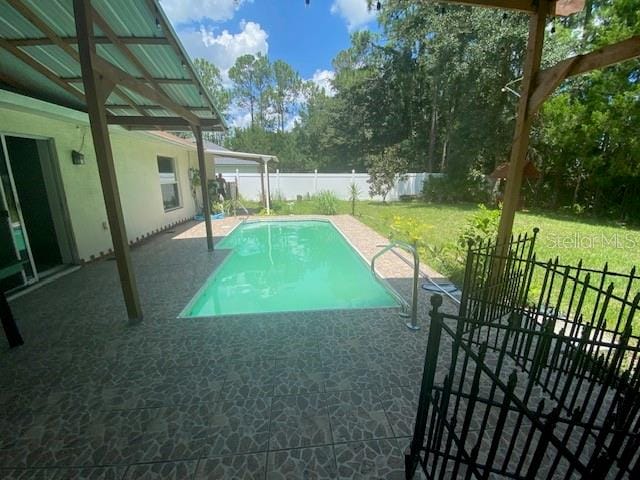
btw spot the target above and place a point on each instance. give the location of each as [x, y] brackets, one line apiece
[306, 37]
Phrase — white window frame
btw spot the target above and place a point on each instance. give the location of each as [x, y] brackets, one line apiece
[169, 179]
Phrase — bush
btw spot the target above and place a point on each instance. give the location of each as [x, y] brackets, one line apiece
[327, 202]
[482, 226]
[471, 188]
[444, 258]
[354, 193]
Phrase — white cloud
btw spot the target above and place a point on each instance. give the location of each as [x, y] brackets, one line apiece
[224, 48]
[291, 122]
[180, 11]
[241, 120]
[323, 78]
[355, 12]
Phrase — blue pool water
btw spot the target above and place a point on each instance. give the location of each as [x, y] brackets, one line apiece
[280, 266]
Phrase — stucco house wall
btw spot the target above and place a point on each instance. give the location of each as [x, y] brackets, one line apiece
[135, 156]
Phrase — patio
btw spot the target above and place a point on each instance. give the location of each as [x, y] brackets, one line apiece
[292, 395]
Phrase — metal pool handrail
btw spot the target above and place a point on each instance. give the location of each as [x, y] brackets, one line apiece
[416, 270]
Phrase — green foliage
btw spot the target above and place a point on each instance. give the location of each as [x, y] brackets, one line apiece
[218, 206]
[327, 202]
[410, 229]
[587, 140]
[440, 256]
[284, 92]
[212, 81]
[354, 193]
[428, 91]
[448, 188]
[251, 76]
[482, 226]
[385, 169]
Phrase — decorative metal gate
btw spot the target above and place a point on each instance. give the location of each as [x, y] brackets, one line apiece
[524, 386]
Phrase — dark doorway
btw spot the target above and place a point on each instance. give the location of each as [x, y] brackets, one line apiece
[31, 191]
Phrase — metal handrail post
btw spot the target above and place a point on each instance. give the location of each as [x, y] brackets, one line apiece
[413, 325]
[414, 296]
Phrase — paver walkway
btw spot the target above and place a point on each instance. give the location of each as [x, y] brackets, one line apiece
[293, 395]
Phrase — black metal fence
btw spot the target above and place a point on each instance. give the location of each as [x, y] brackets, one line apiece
[495, 278]
[519, 385]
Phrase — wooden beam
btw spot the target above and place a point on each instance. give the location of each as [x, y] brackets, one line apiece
[548, 80]
[122, 78]
[155, 8]
[158, 94]
[193, 108]
[561, 8]
[141, 122]
[43, 41]
[517, 160]
[29, 15]
[38, 67]
[516, 5]
[564, 8]
[159, 80]
[204, 185]
[10, 82]
[20, 88]
[94, 91]
[124, 49]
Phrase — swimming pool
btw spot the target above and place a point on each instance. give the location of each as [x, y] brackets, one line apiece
[281, 266]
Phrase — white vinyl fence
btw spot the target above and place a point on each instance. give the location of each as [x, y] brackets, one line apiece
[288, 186]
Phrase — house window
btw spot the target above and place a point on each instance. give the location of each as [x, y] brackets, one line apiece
[169, 183]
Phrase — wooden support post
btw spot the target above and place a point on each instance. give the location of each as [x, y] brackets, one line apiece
[520, 145]
[9, 323]
[206, 206]
[96, 92]
[264, 197]
[268, 197]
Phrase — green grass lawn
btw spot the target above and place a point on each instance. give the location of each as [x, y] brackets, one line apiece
[570, 238]
[567, 237]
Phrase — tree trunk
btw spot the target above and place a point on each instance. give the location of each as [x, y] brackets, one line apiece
[443, 160]
[432, 131]
[557, 183]
[577, 189]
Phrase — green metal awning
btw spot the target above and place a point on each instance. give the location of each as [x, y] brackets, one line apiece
[156, 85]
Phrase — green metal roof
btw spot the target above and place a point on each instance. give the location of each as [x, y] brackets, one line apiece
[146, 48]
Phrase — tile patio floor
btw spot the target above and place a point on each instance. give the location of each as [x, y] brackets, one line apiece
[308, 395]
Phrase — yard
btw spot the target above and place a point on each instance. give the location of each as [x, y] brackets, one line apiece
[567, 236]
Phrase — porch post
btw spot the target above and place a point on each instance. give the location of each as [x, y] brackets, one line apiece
[202, 166]
[262, 189]
[96, 90]
[520, 145]
[268, 196]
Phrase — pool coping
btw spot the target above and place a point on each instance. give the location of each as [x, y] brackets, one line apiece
[403, 304]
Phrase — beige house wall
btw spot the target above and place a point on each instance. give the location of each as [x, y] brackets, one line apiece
[135, 155]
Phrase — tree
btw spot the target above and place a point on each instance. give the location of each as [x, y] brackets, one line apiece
[212, 81]
[384, 170]
[251, 76]
[285, 92]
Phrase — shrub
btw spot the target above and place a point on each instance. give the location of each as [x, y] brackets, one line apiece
[221, 207]
[327, 202]
[471, 188]
[354, 193]
[443, 258]
[482, 226]
[385, 169]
